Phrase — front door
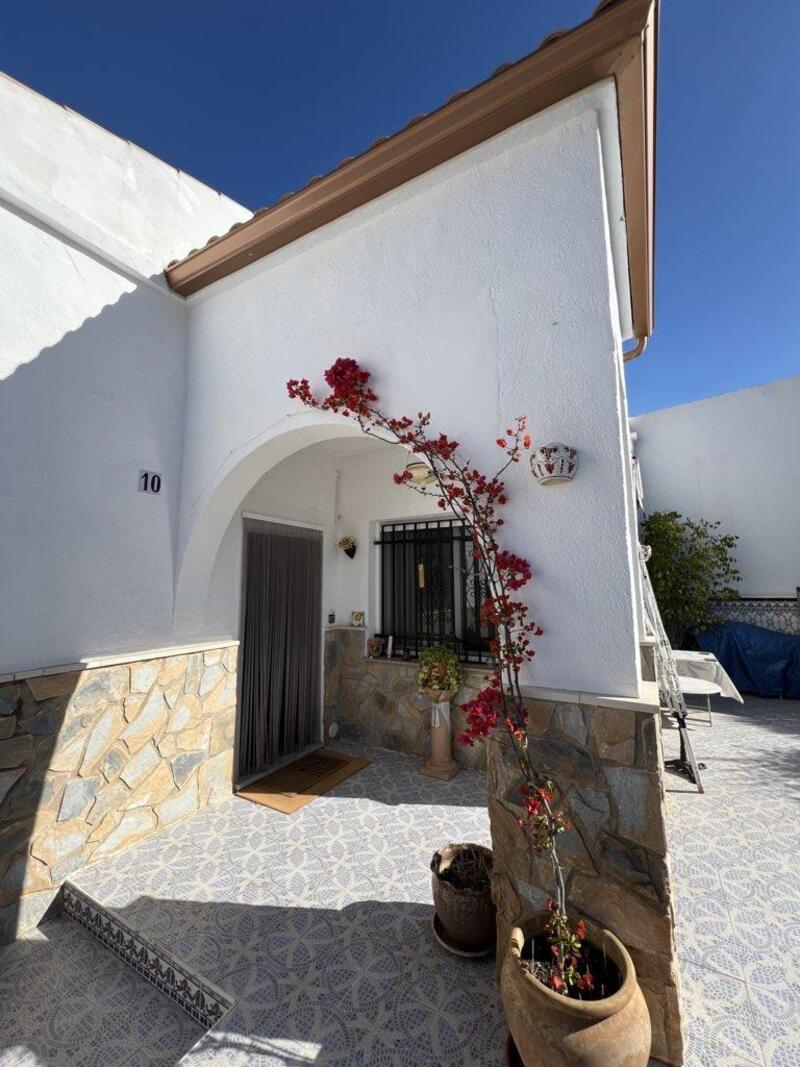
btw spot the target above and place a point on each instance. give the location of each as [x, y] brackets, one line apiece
[280, 662]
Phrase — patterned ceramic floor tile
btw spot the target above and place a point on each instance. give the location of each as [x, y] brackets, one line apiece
[318, 924]
[735, 855]
[66, 1000]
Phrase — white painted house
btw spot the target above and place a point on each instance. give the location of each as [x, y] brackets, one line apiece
[491, 259]
[735, 459]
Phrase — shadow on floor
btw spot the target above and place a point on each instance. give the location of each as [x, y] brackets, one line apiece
[365, 984]
[65, 999]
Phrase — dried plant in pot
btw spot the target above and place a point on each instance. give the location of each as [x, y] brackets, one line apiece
[601, 1024]
[462, 896]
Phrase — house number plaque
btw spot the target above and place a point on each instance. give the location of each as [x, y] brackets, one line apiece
[149, 482]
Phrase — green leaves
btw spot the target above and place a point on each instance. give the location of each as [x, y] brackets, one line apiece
[692, 567]
[439, 669]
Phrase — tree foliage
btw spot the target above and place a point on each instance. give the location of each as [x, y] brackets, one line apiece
[692, 567]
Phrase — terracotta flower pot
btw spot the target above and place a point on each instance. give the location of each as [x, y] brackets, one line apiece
[551, 1030]
[467, 915]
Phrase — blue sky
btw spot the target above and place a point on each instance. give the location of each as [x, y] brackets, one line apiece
[255, 97]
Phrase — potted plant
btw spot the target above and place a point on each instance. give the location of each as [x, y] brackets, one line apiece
[348, 546]
[560, 1011]
[439, 678]
[598, 1020]
[465, 919]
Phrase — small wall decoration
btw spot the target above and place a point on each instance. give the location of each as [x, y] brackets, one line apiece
[554, 463]
[348, 546]
[421, 473]
[357, 618]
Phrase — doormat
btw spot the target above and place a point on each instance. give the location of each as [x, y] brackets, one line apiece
[294, 786]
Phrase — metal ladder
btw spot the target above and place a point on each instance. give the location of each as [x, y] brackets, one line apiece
[669, 688]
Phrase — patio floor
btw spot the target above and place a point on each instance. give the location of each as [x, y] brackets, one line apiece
[318, 925]
[735, 854]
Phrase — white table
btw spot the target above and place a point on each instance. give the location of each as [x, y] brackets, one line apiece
[706, 666]
[699, 687]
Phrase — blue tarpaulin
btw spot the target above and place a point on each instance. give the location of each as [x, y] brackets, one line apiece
[758, 660]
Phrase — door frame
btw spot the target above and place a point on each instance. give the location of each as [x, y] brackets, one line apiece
[240, 783]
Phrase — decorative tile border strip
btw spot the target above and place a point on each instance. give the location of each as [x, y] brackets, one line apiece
[204, 1002]
[773, 613]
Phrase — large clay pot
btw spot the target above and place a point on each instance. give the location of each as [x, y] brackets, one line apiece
[551, 1030]
[467, 915]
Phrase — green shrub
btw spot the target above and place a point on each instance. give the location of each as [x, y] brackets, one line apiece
[691, 568]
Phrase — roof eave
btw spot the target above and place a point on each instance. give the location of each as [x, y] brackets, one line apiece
[619, 41]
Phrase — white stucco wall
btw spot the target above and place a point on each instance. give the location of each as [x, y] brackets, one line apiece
[733, 458]
[107, 193]
[483, 289]
[480, 290]
[92, 382]
[300, 489]
[343, 495]
[91, 390]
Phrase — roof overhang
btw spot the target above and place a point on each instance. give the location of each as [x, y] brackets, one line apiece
[619, 41]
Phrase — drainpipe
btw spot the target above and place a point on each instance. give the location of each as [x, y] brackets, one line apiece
[636, 351]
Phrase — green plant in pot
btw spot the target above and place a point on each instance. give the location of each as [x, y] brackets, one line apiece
[568, 986]
[439, 674]
[439, 678]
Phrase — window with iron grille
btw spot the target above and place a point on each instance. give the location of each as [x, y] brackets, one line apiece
[432, 589]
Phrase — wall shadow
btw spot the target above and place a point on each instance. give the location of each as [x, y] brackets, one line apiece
[87, 562]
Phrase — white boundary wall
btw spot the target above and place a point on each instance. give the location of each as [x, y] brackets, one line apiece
[733, 458]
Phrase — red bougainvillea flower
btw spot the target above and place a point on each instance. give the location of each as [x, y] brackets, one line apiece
[517, 571]
[499, 707]
[482, 713]
[300, 389]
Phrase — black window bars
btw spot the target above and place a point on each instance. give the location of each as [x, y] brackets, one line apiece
[432, 589]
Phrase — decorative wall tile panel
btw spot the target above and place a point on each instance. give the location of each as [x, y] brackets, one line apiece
[780, 615]
[204, 1002]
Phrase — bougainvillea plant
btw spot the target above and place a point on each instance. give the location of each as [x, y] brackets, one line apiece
[498, 711]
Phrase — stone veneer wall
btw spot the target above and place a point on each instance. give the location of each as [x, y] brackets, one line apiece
[608, 763]
[92, 761]
[376, 701]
